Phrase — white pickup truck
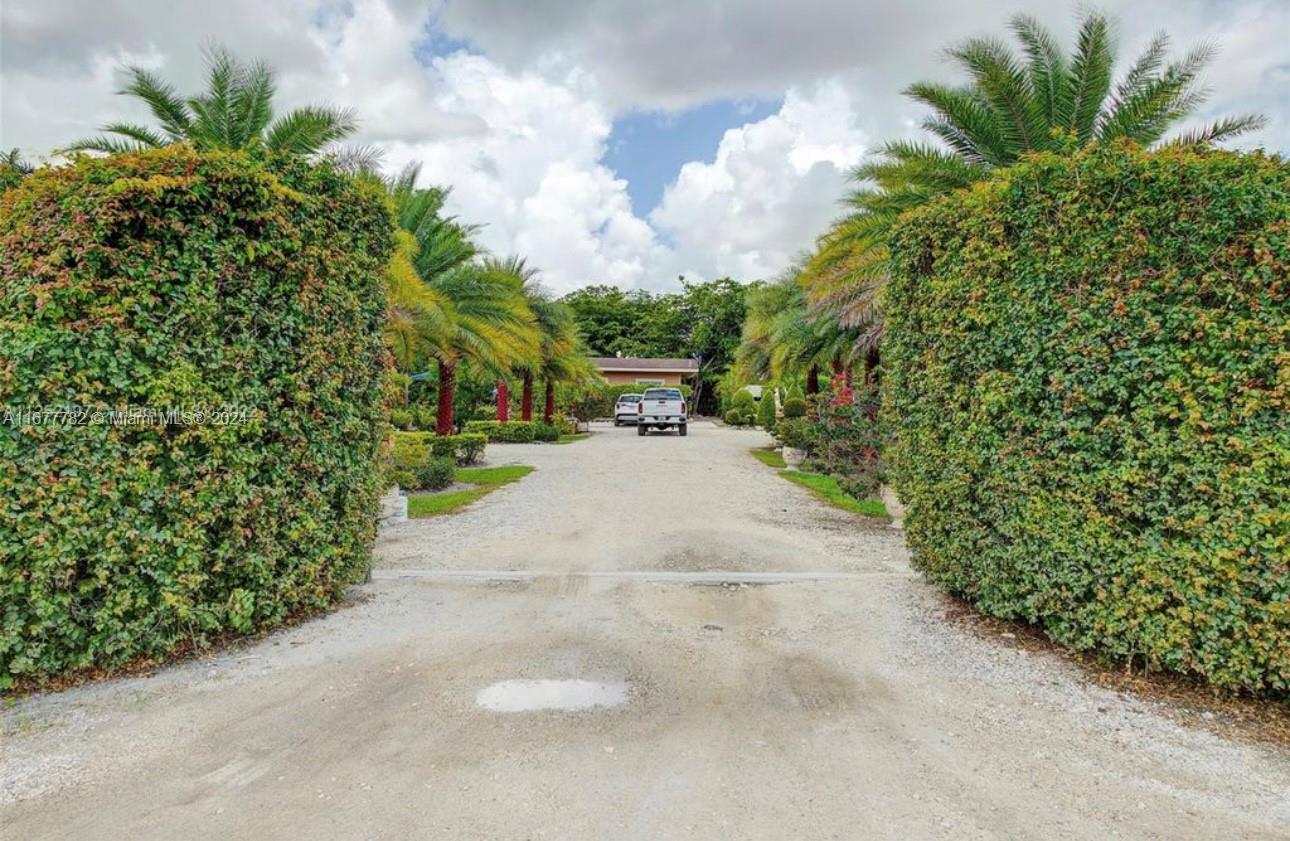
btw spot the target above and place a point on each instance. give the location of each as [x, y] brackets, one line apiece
[660, 408]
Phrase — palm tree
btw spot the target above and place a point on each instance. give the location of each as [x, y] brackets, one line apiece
[784, 339]
[235, 112]
[472, 310]
[559, 355]
[1042, 100]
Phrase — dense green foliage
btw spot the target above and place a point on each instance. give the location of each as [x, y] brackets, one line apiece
[766, 410]
[423, 461]
[505, 432]
[703, 320]
[1085, 368]
[465, 448]
[197, 281]
[545, 432]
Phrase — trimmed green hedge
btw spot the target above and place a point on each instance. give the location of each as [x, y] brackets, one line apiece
[172, 278]
[465, 448]
[1086, 365]
[505, 432]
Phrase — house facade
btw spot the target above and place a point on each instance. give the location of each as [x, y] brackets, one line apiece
[626, 370]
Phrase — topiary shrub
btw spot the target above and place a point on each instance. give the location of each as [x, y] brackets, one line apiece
[1085, 365]
[545, 432]
[175, 279]
[794, 407]
[766, 410]
[735, 417]
[436, 474]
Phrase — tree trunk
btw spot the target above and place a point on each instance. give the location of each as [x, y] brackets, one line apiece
[526, 398]
[503, 402]
[548, 411]
[813, 380]
[871, 366]
[447, 385]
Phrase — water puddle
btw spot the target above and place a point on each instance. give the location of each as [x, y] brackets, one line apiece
[518, 696]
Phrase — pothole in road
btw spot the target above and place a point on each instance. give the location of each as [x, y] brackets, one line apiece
[518, 696]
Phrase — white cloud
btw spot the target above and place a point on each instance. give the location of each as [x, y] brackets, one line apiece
[771, 188]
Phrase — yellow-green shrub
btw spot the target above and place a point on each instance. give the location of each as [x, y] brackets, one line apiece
[173, 278]
[1085, 368]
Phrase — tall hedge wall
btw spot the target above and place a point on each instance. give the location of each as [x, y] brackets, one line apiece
[1087, 373]
[197, 281]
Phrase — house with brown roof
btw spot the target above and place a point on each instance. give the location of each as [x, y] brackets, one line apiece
[623, 370]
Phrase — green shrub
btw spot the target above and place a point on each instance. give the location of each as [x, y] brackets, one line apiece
[424, 417]
[766, 410]
[744, 401]
[436, 474]
[794, 432]
[506, 432]
[794, 407]
[173, 278]
[465, 448]
[1086, 369]
[401, 419]
[737, 417]
[545, 432]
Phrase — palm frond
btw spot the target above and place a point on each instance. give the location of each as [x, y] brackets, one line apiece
[1220, 130]
[1090, 76]
[162, 100]
[1046, 69]
[307, 130]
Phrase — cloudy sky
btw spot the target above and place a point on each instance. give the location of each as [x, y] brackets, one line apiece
[609, 141]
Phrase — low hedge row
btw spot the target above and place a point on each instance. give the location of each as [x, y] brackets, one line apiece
[465, 448]
[1085, 367]
[181, 280]
[506, 432]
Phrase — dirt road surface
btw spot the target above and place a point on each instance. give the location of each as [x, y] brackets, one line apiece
[756, 665]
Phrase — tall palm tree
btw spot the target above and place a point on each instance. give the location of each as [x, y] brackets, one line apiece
[473, 310]
[1041, 100]
[559, 356]
[235, 112]
[784, 339]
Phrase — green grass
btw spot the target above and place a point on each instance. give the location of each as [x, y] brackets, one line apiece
[826, 488]
[573, 439]
[485, 479]
[770, 458]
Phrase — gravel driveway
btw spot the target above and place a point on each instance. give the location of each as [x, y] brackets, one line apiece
[732, 659]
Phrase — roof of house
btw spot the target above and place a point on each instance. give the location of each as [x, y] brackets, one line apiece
[637, 363]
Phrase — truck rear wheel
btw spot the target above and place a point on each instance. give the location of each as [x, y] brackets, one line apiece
[641, 429]
[681, 429]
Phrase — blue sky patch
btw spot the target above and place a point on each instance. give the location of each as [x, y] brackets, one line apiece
[648, 148]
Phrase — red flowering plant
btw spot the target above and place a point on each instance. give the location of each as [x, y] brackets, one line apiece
[843, 438]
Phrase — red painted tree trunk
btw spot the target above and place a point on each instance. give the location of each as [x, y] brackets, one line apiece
[503, 401]
[813, 380]
[548, 411]
[526, 398]
[447, 385]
